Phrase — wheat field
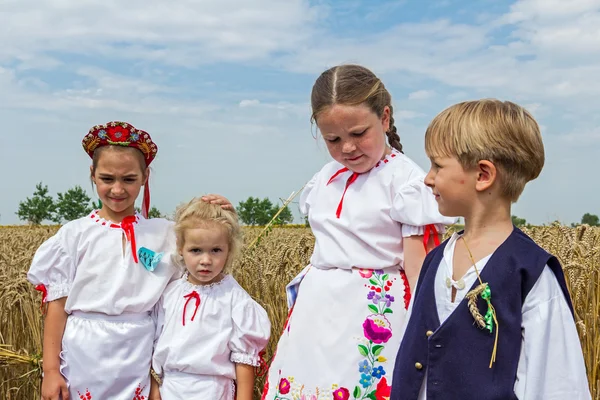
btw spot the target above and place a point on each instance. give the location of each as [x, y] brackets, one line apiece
[263, 270]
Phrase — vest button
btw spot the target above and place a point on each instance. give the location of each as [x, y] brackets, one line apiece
[418, 366]
[429, 333]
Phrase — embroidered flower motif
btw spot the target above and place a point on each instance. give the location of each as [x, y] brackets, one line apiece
[101, 134]
[365, 380]
[364, 367]
[284, 386]
[389, 299]
[375, 298]
[383, 391]
[118, 134]
[341, 394]
[377, 328]
[86, 396]
[134, 137]
[378, 372]
[138, 393]
[365, 273]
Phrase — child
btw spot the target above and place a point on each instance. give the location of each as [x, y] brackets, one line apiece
[525, 346]
[210, 331]
[97, 280]
[370, 213]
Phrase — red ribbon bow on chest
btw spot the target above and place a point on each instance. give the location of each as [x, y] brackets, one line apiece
[188, 297]
[127, 225]
[349, 182]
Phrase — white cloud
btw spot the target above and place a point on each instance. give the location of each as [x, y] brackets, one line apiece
[113, 61]
[405, 115]
[249, 103]
[186, 32]
[421, 95]
[556, 10]
[584, 137]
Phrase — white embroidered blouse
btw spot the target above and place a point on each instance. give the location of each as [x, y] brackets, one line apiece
[86, 262]
[378, 209]
[207, 329]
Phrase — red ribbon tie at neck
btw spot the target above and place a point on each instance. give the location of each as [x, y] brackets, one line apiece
[188, 297]
[128, 227]
[349, 182]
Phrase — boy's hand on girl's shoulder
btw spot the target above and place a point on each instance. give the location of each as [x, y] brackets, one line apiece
[220, 200]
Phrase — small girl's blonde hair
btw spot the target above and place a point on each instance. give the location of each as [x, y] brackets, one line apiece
[200, 214]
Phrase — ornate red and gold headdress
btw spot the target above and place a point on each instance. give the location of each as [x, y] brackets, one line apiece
[117, 133]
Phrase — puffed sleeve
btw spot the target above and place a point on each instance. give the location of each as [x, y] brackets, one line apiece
[305, 197]
[251, 332]
[53, 267]
[414, 206]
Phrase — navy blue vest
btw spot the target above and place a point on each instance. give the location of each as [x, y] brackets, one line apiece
[456, 355]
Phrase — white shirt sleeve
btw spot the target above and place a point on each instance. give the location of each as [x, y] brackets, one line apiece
[414, 206]
[304, 202]
[251, 332]
[53, 267]
[551, 365]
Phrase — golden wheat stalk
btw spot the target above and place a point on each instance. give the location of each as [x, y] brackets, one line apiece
[9, 357]
[272, 221]
[264, 270]
[472, 304]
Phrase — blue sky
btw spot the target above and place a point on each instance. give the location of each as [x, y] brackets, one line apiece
[223, 87]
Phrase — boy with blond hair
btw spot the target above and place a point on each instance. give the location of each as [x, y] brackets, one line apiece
[491, 317]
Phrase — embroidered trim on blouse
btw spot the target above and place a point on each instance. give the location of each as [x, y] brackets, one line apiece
[190, 285]
[387, 158]
[107, 223]
[242, 358]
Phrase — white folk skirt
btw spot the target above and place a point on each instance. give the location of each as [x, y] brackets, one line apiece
[342, 335]
[180, 385]
[107, 357]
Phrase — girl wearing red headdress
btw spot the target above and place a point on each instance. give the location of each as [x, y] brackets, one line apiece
[102, 274]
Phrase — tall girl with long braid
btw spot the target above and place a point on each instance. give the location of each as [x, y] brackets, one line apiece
[373, 219]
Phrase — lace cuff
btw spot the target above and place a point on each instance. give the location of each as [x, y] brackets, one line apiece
[58, 291]
[411, 230]
[242, 358]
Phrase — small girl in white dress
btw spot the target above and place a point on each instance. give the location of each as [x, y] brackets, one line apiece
[210, 332]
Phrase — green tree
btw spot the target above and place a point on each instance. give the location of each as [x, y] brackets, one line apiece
[153, 213]
[254, 211]
[38, 208]
[285, 217]
[518, 221]
[590, 219]
[73, 204]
